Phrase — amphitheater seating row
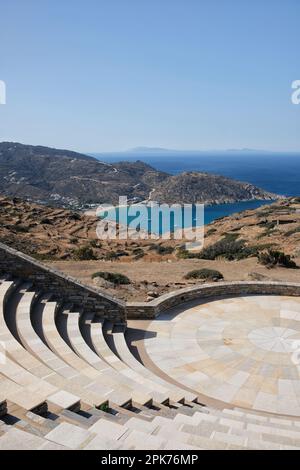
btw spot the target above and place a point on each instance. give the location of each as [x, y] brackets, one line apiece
[69, 380]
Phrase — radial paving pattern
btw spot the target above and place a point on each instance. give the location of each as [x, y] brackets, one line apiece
[243, 351]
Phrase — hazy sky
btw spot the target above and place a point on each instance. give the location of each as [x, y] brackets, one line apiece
[96, 75]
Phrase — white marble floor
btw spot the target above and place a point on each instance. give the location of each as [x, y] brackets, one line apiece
[244, 351]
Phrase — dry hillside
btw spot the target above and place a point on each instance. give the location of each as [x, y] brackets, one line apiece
[57, 236]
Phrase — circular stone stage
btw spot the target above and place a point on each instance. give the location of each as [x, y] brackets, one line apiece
[244, 351]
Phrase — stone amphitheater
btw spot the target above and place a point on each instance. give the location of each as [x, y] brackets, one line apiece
[208, 367]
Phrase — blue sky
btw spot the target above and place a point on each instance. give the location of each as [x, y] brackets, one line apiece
[101, 75]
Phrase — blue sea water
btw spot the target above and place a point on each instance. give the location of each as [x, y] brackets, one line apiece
[275, 172]
[190, 217]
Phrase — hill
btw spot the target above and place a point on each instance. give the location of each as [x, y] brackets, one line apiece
[71, 180]
[67, 240]
[193, 187]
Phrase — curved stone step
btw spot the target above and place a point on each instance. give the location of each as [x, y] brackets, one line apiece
[120, 394]
[175, 393]
[60, 347]
[107, 354]
[62, 388]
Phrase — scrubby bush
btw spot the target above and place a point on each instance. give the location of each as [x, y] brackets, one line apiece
[137, 251]
[114, 255]
[111, 256]
[43, 256]
[46, 221]
[114, 278]
[227, 248]
[210, 231]
[264, 246]
[74, 216]
[185, 254]
[292, 231]
[205, 273]
[84, 253]
[21, 228]
[231, 236]
[272, 258]
[162, 250]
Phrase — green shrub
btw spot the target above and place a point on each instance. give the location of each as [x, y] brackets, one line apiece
[111, 256]
[207, 274]
[84, 253]
[21, 228]
[165, 250]
[115, 278]
[228, 249]
[139, 255]
[137, 251]
[272, 258]
[114, 255]
[231, 236]
[74, 216]
[263, 246]
[46, 221]
[184, 254]
[210, 231]
[268, 224]
[43, 256]
[292, 231]
[162, 250]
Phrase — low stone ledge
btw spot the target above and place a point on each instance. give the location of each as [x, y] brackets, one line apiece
[63, 287]
[148, 310]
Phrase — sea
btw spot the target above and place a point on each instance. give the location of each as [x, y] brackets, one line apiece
[275, 172]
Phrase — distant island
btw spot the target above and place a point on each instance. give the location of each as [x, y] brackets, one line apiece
[144, 150]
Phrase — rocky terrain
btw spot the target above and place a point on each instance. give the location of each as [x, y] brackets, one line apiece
[70, 180]
[50, 233]
[276, 225]
[196, 187]
[67, 240]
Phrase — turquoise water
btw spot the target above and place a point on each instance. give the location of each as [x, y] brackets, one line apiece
[216, 211]
[190, 217]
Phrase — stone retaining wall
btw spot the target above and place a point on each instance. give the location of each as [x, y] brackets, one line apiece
[64, 288]
[148, 310]
[69, 290]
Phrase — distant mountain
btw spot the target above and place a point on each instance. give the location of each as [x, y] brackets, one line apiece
[73, 180]
[160, 150]
[156, 151]
[149, 150]
[167, 150]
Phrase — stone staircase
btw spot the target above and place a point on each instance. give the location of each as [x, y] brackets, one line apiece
[68, 380]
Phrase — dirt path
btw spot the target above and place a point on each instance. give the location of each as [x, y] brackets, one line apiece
[168, 276]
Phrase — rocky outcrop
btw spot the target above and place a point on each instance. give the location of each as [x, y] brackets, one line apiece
[196, 187]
